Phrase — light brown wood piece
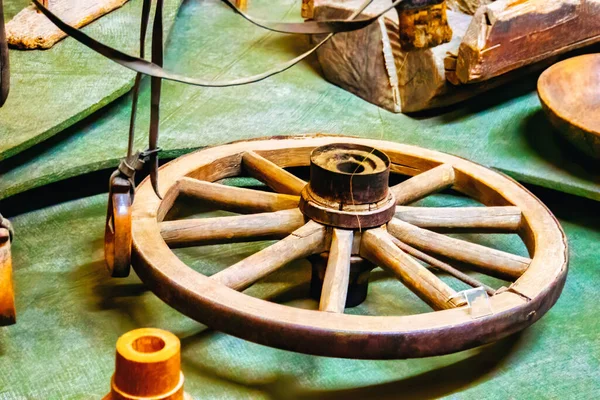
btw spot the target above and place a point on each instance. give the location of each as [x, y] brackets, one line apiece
[30, 29]
[272, 175]
[509, 34]
[452, 219]
[378, 247]
[309, 239]
[199, 231]
[236, 199]
[424, 184]
[570, 93]
[441, 266]
[337, 274]
[491, 261]
[148, 367]
[7, 294]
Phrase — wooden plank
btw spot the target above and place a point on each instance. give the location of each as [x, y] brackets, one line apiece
[491, 261]
[243, 228]
[307, 240]
[337, 274]
[236, 199]
[457, 219]
[510, 34]
[271, 174]
[30, 29]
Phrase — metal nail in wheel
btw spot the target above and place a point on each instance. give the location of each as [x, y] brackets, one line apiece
[347, 220]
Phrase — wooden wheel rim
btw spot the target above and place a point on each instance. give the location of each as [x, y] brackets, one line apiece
[343, 335]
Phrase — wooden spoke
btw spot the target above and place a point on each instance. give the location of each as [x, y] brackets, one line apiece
[236, 199]
[434, 262]
[309, 239]
[242, 228]
[271, 174]
[337, 274]
[424, 184]
[456, 219]
[493, 262]
[378, 247]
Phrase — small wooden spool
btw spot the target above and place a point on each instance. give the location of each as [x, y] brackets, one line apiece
[147, 367]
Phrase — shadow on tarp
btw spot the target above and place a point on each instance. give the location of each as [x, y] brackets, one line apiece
[549, 144]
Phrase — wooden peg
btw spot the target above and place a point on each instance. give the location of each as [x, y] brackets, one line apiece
[147, 367]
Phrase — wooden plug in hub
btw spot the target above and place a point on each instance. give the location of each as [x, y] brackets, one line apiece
[147, 367]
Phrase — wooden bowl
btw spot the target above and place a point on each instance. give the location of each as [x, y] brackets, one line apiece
[570, 95]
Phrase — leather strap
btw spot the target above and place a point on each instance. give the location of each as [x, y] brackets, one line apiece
[155, 89]
[4, 64]
[151, 69]
[138, 77]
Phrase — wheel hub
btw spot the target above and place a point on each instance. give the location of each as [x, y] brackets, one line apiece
[348, 187]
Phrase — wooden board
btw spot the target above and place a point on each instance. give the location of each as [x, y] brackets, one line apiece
[30, 29]
[509, 34]
[53, 89]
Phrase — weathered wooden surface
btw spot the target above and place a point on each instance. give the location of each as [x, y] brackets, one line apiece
[570, 93]
[452, 219]
[30, 29]
[509, 34]
[337, 273]
[242, 228]
[53, 89]
[394, 78]
[424, 184]
[493, 262]
[377, 246]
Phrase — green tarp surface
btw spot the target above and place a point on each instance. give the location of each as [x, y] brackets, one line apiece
[70, 314]
[53, 89]
[504, 128]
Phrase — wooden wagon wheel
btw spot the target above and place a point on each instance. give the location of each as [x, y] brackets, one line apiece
[348, 212]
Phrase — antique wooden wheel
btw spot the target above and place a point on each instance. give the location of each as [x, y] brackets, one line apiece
[347, 218]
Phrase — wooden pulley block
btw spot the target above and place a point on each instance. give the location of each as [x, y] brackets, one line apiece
[117, 232]
[346, 220]
[148, 367]
[7, 293]
[423, 24]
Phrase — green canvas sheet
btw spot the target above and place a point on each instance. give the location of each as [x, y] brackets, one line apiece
[70, 314]
[53, 89]
[504, 128]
